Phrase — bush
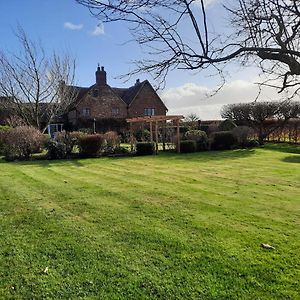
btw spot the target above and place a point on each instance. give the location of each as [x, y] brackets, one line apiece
[223, 140]
[90, 145]
[200, 137]
[56, 150]
[21, 142]
[242, 134]
[119, 151]
[226, 125]
[142, 135]
[70, 139]
[188, 146]
[145, 148]
[204, 128]
[112, 141]
[252, 144]
[3, 130]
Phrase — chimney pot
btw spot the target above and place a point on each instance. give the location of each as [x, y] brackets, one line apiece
[100, 76]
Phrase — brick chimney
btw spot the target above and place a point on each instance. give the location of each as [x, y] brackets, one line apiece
[100, 76]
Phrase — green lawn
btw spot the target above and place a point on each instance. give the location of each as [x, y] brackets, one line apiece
[168, 226]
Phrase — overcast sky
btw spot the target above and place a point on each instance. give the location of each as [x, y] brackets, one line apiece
[64, 25]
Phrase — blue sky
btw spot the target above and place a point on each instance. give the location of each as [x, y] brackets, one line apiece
[64, 25]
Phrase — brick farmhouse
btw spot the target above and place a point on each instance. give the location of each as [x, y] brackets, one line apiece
[102, 102]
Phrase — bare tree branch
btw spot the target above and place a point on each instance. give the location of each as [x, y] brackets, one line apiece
[264, 32]
[36, 84]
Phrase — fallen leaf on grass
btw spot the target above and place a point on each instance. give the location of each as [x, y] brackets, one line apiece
[267, 246]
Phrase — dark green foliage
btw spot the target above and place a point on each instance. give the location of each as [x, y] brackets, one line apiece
[142, 135]
[3, 130]
[188, 146]
[90, 145]
[183, 129]
[223, 140]
[120, 150]
[145, 148]
[200, 137]
[252, 144]
[56, 150]
[226, 125]
[204, 128]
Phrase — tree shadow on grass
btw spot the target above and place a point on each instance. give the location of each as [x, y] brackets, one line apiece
[213, 155]
[283, 147]
[292, 159]
[45, 163]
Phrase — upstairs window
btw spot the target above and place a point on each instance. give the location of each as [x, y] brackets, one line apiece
[149, 111]
[86, 112]
[95, 93]
[115, 111]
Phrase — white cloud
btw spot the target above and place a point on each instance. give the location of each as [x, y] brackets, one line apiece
[194, 98]
[71, 26]
[99, 30]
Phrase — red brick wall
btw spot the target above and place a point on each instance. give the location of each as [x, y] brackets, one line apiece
[102, 106]
[146, 98]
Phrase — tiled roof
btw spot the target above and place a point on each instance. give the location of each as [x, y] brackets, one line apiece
[126, 94]
[130, 93]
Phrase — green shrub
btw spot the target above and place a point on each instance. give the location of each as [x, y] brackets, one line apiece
[70, 139]
[90, 145]
[188, 146]
[204, 128]
[200, 137]
[145, 148]
[56, 150]
[226, 125]
[21, 142]
[142, 135]
[223, 140]
[252, 144]
[120, 150]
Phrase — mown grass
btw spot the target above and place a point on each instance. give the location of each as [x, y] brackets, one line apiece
[168, 226]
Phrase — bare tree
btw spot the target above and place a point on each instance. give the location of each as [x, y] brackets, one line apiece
[263, 31]
[263, 117]
[192, 120]
[34, 84]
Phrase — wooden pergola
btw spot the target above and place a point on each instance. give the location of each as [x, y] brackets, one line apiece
[157, 121]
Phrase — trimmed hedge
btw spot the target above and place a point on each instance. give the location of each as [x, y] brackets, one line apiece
[90, 145]
[223, 140]
[188, 146]
[145, 148]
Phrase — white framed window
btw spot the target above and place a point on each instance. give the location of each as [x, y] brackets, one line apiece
[115, 111]
[86, 112]
[149, 111]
